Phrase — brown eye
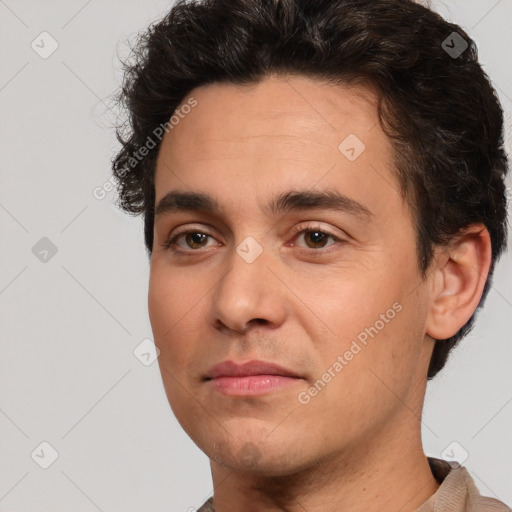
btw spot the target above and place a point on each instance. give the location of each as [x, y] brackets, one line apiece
[195, 239]
[316, 239]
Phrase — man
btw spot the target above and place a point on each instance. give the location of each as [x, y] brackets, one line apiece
[322, 184]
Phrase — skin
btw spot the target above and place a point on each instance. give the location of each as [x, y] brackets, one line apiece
[356, 445]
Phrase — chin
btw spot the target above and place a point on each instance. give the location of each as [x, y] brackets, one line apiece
[252, 455]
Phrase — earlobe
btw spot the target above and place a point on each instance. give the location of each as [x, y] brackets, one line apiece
[458, 280]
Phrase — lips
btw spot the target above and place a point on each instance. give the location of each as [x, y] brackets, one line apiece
[249, 368]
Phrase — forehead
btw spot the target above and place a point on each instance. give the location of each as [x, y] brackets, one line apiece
[294, 105]
[277, 132]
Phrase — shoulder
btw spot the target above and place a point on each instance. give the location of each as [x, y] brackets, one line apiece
[458, 491]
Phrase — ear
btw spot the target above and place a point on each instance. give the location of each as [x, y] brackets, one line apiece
[457, 281]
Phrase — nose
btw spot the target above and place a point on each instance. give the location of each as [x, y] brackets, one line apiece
[248, 293]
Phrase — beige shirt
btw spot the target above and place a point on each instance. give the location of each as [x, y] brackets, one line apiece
[457, 492]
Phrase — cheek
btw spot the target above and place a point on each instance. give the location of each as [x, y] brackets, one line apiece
[169, 310]
[374, 323]
[349, 307]
[169, 298]
[384, 356]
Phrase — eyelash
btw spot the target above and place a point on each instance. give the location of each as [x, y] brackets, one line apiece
[167, 245]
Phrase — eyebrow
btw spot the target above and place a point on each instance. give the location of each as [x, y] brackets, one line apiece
[301, 200]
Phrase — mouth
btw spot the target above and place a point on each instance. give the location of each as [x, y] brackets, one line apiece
[250, 378]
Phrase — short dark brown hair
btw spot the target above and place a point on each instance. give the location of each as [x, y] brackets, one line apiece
[436, 104]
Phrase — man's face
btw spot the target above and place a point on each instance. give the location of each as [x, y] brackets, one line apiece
[332, 294]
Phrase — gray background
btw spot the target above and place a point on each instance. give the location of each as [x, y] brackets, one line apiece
[69, 326]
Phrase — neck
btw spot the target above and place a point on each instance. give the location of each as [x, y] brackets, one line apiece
[391, 473]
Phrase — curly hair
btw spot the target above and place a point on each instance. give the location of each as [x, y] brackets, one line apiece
[437, 107]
